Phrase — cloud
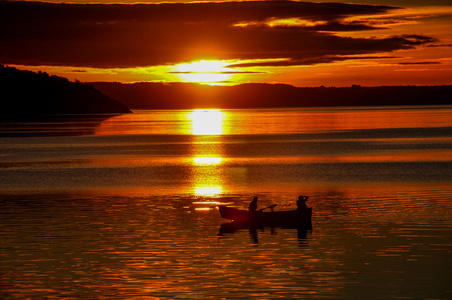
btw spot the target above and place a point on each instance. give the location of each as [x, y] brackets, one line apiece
[120, 36]
[305, 62]
[420, 63]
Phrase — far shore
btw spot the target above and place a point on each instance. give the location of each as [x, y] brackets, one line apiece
[149, 95]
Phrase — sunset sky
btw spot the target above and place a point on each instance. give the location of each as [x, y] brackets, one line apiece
[370, 43]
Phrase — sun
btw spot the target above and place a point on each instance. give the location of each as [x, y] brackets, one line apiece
[211, 72]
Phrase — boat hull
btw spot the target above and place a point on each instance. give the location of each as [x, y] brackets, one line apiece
[288, 219]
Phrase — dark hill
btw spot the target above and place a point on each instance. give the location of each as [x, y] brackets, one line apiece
[26, 93]
[254, 95]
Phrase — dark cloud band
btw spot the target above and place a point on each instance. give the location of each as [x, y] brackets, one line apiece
[113, 35]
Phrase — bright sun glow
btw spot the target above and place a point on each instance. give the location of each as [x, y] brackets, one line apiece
[205, 71]
[207, 122]
[208, 190]
[207, 161]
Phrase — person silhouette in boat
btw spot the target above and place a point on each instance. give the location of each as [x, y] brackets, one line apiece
[253, 205]
[305, 212]
[301, 203]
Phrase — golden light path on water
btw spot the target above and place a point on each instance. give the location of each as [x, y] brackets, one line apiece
[204, 155]
[207, 121]
[210, 151]
[207, 128]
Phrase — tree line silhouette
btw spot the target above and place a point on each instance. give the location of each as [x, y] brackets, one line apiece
[26, 93]
[148, 95]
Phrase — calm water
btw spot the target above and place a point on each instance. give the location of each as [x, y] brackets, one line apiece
[125, 208]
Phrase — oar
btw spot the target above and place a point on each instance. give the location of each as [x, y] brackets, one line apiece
[271, 207]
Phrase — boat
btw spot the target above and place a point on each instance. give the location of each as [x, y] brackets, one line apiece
[258, 219]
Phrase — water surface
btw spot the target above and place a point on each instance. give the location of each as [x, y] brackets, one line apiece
[126, 209]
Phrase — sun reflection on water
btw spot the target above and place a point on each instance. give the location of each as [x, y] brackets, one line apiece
[207, 122]
[208, 191]
[207, 156]
[207, 161]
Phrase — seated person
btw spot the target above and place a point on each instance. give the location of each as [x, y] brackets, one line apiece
[253, 205]
[301, 203]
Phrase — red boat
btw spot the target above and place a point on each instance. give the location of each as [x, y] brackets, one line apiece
[287, 219]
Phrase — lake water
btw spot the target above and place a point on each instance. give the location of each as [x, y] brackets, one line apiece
[126, 207]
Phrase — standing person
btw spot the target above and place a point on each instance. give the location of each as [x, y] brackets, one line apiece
[253, 205]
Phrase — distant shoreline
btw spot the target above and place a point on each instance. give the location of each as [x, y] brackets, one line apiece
[30, 95]
[149, 95]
